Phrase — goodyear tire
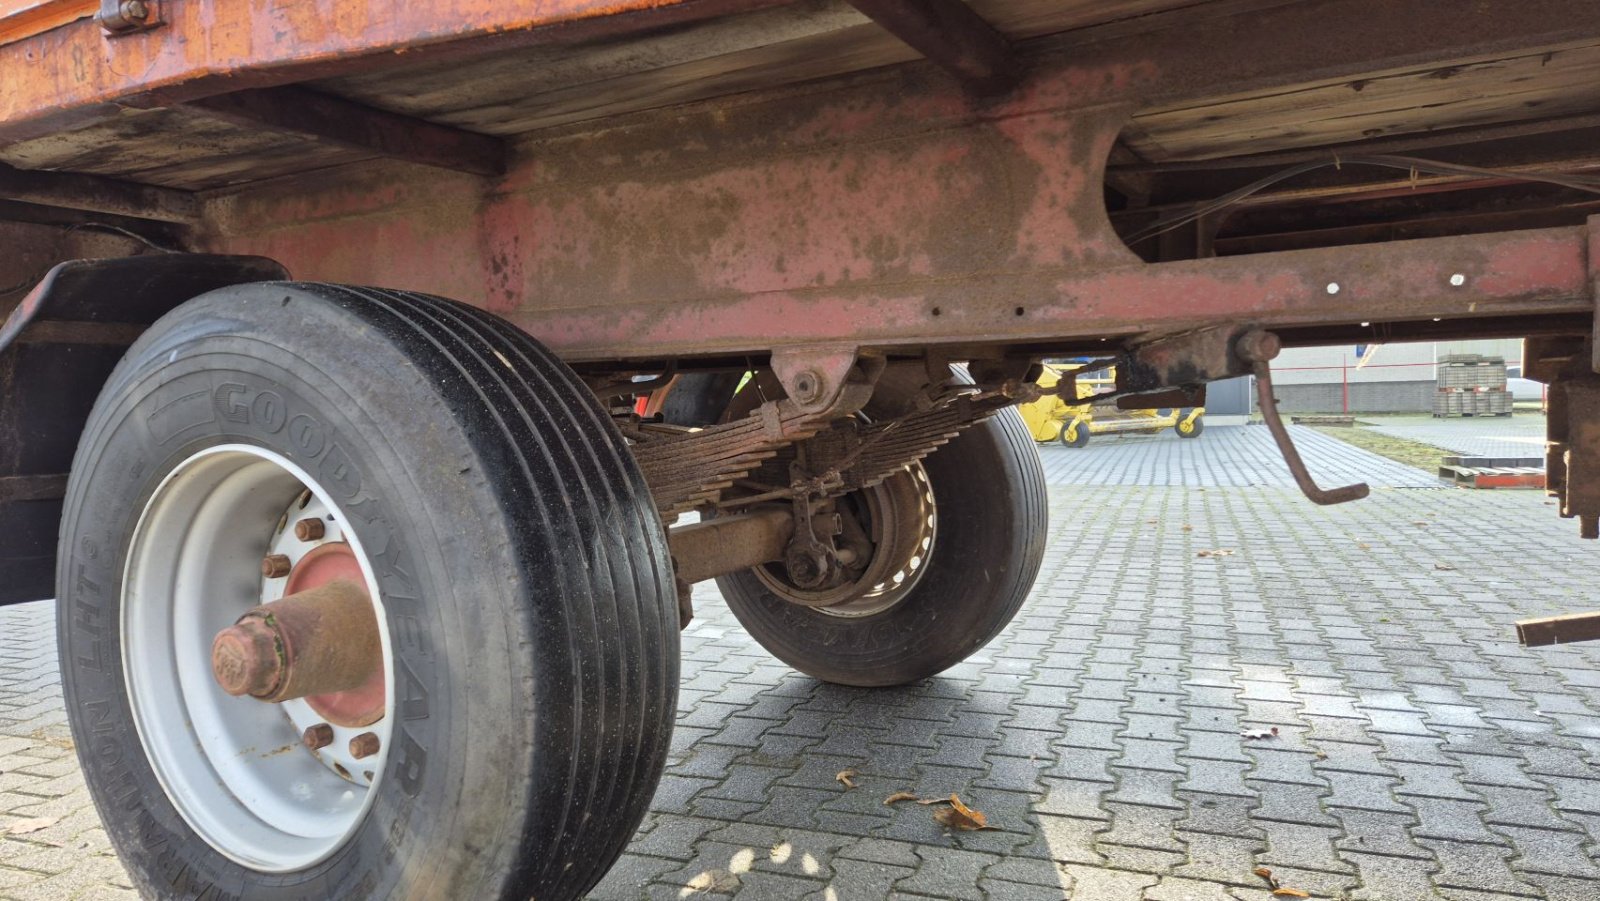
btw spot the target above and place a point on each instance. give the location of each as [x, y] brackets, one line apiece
[508, 543]
[990, 510]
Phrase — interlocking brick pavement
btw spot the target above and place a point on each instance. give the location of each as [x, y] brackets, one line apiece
[1420, 753]
[1520, 435]
[1237, 456]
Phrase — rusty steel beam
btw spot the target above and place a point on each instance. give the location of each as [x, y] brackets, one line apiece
[1521, 275]
[954, 37]
[96, 194]
[705, 550]
[338, 122]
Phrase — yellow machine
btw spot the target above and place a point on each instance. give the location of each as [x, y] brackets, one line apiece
[1052, 419]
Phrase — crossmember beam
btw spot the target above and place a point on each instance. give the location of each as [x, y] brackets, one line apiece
[950, 34]
[342, 123]
[91, 193]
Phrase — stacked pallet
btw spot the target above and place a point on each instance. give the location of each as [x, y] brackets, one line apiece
[1471, 385]
[1493, 472]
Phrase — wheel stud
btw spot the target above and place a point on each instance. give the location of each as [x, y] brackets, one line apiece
[318, 737]
[276, 566]
[364, 745]
[310, 529]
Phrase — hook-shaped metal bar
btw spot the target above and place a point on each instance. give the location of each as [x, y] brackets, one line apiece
[1258, 348]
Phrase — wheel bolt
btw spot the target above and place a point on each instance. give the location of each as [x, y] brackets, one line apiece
[276, 566]
[364, 745]
[310, 529]
[318, 737]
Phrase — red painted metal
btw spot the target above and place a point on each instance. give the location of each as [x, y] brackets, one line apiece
[72, 74]
[363, 705]
[891, 211]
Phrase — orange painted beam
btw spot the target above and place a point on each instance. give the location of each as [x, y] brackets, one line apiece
[74, 73]
[25, 18]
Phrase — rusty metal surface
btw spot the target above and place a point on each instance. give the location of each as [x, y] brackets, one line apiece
[72, 74]
[889, 212]
[705, 550]
[122, 17]
[1517, 274]
[1258, 348]
[322, 640]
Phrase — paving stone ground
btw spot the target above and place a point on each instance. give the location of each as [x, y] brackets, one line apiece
[1420, 754]
[1237, 456]
[1519, 435]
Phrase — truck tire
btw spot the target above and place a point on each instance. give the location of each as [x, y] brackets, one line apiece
[989, 512]
[513, 567]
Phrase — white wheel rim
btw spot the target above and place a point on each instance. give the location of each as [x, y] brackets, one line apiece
[235, 767]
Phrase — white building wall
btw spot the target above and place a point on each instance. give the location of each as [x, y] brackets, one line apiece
[1345, 364]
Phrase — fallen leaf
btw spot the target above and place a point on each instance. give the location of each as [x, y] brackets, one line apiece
[1364, 546]
[1286, 892]
[926, 801]
[899, 796]
[1443, 566]
[23, 827]
[1266, 874]
[1220, 552]
[1188, 528]
[960, 816]
[1420, 522]
[846, 778]
[1260, 733]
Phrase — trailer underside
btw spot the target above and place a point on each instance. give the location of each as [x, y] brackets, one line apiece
[823, 188]
[807, 256]
[690, 182]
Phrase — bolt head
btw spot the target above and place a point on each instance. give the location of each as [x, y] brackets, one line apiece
[318, 737]
[310, 529]
[135, 10]
[365, 745]
[275, 566]
[807, 387]
[1258, 346]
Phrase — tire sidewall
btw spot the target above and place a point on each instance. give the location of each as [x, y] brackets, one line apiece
[207, 379]
[985, 555]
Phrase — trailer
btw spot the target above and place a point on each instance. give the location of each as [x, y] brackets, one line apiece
[377, 378]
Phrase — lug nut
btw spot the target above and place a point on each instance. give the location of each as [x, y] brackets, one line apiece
[310, 529]
[276, 566]
[364, 745]
[318, 737]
